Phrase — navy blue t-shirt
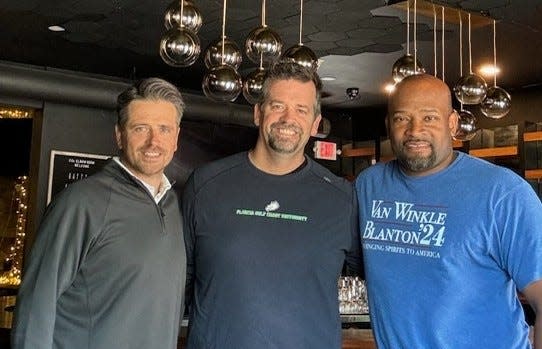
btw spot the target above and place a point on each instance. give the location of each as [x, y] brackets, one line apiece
[264, 255]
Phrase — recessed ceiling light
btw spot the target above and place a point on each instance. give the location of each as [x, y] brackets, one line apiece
[56, 28]
[489, 70]
[328, 78]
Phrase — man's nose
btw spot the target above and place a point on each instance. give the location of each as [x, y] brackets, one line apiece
[153, 136]
[415, 126]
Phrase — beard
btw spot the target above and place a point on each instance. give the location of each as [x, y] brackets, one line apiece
[415, 163]
[284, 144]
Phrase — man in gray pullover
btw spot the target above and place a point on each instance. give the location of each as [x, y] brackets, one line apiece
[107, 269]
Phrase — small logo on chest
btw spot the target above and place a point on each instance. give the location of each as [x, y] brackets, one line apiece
[272, 206]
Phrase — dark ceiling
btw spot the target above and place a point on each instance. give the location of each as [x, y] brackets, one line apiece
[357, 41]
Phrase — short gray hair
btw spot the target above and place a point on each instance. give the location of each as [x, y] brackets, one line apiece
[153, 89]
[285, 70]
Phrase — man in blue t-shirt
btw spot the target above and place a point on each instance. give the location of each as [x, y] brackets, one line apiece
[448, 239]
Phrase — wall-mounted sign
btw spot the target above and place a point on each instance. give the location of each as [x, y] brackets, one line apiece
[68, 167]
[325, 150]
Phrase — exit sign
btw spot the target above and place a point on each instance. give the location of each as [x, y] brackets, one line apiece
[325, 150]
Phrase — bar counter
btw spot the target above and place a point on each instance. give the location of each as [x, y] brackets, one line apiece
[352, 339]
[358, 339]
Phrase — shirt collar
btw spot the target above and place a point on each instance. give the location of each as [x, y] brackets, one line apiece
[165, 184]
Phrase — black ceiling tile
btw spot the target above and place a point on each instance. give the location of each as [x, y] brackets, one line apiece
[364, 33]
[321, 45]
[316, 7]
[390, 40]
[19, 5]
[327, 36]
[359, 6]
[347, 51]
[380, 22]
[85, 28]
[383, 48]
[355, 43]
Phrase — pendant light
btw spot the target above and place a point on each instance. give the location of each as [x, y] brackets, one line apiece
[300, 53]
[222, 83]
[179, 46]
[471, 88]
[223, 51]
[407, 64]
[497, 102]
[263, 43]
[190, 18]
[253, 85]
[466, 123]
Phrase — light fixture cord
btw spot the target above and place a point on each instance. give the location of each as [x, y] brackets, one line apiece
[470, 52]
[434, 41]
[415, 48]
[442, 43]
[300, 22]
[408, 28]
[263, 14]
[460, 43]
[182, 14]
[223, 29]
[460, 50]
[494, 55]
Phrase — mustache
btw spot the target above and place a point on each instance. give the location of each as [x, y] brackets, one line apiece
[415, 139]
[151, 149]
[283, 124]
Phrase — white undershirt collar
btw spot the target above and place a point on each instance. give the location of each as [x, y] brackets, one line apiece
[165, 185]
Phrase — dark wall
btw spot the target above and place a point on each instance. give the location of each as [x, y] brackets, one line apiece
[15, 137]
[75, 129]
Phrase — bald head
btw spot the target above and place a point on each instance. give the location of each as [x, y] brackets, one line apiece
[422, 87]
[421, 123]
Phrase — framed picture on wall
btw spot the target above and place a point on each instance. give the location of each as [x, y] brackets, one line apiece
[68, 167]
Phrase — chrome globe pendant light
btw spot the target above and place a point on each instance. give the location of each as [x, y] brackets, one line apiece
[471, 88]
[253, 84]
[466, 123]
[263, 45]
[300, 53]
[497, 102]
[223, 51]
[179, 46]
[408, 64]
[190, 18]
[222, 83]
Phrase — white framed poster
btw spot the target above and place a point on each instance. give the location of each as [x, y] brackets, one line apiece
[67, 167]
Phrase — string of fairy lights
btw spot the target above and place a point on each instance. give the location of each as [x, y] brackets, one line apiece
[15, 113]
[12, 277]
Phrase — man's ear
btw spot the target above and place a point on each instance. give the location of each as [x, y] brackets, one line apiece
[453, 122]
[118, 136]
[257, 114]
[315, 124]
